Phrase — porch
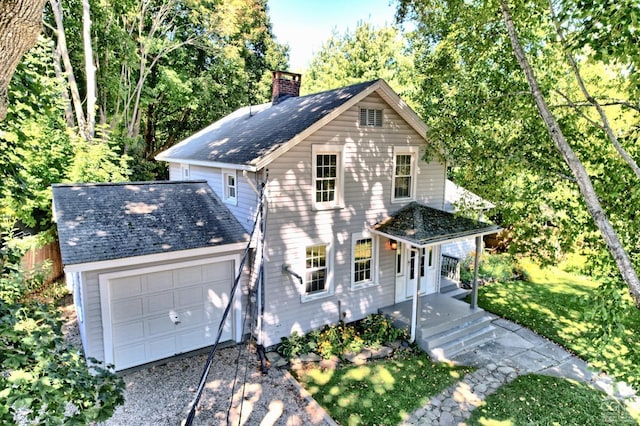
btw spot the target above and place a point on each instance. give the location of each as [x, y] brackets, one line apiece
[445, 325]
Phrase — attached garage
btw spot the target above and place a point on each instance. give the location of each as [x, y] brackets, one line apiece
[156, 312]
[133, 310]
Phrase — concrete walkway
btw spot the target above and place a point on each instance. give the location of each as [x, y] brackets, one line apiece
[515, 351]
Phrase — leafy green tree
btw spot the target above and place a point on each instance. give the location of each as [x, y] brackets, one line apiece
[482, 112]
[368, 53]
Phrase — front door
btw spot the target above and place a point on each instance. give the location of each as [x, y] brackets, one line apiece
[413, 271]
[428, 271]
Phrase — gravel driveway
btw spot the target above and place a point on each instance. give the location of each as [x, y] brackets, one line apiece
[162, 394]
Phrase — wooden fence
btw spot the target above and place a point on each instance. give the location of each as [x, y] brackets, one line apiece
[36, 257]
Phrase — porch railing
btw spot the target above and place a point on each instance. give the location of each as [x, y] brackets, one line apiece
[450, 267]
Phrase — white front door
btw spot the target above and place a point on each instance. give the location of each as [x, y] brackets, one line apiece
[428, 270]
[413, 273]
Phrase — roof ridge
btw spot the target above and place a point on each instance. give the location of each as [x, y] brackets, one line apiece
[150, 182]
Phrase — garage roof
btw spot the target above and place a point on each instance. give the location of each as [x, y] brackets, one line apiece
[106, 221]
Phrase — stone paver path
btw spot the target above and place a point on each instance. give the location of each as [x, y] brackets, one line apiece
[515, 351]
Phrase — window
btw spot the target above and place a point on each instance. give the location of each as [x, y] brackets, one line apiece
[426, 256]
[399, 262]
[403, 183]
[370, 117]
[327, 176]
[230, 187]
[185, 171]
[364, 250]
[316, 268]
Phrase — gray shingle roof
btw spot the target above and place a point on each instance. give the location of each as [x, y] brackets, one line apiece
[250, 133]
[423, 225]
[108, 221]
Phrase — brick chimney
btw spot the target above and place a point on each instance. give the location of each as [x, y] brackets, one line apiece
[285, 85]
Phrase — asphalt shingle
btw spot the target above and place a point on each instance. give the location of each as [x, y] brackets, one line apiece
[423, 225]
[250, 133]
[105, 221]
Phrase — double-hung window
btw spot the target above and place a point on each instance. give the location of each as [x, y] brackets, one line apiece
[364, 260]
[327, 176]
[404, 174]
[230, 188]
[316, 270]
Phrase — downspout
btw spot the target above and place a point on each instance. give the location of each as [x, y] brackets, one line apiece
[260, 295]
[414, 304]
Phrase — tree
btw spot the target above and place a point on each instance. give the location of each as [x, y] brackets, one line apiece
[583, 180]
[20, 25]
[474, 86]
[367, 53]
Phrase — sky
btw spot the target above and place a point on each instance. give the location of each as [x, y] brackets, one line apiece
[305, 24]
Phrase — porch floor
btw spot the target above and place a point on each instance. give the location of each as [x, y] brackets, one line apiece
[446, 326]
[434, 310]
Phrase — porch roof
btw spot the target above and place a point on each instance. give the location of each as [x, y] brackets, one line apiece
[422, 226]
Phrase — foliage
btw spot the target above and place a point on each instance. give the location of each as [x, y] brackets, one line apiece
[43, 380]
[367, 53]
[496, 267]
[341, 338]
[380, 392]
[545, 400]
[34, 144]
[558, 305]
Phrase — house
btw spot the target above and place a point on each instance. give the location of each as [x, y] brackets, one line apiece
[459, 199]
[352, 221]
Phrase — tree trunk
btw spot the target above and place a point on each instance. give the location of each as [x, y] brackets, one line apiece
[598, 215]
[90, 70]
[56, 6]
[20, 25]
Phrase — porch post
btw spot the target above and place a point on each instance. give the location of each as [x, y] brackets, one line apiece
[474, 288]
[414, 310]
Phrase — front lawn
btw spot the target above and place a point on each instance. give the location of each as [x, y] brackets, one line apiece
[381, 392]
[553, 302]
[544, 400]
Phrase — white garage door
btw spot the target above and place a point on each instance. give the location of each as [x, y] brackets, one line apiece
[159, 314]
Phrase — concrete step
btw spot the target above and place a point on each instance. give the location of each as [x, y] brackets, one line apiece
[469, 341]
[458, 293]
[447, 286]
[455, 333]
[430, 330]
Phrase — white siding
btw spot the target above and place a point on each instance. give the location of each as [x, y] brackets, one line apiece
[245, 208]
[293, 224]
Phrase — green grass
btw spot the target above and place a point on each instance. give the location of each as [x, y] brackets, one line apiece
[382, 392]
[552, 303]
[542, 400]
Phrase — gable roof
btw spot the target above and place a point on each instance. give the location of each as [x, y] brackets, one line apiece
[98, 222]
[420, 225]
[251, 137]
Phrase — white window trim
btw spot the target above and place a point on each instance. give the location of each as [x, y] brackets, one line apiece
[374, 260]
[413, 151]
[185, 171]
[329, 288]
[337, 150]
[225, 187]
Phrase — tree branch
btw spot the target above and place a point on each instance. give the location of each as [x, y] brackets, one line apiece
[623, 262]
[592, 100]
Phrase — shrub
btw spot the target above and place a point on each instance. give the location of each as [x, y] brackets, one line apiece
[338, 339]
[43, 380]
